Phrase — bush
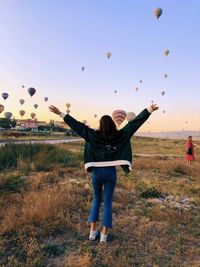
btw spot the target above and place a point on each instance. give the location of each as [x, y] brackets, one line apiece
[151, 192]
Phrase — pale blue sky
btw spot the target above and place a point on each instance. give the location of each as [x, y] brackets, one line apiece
[44, 44]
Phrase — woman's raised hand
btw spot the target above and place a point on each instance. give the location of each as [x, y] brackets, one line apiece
[154, 107]
[54, 110]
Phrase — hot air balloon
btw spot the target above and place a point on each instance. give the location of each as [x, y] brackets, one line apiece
[151, 101]
[186, 122]
[140, 81]
[115, 91]
[130, 116]
[164, 111]
[46, 99]
[5, 95]
[21, 101]
[1, 108]
[119, 116]
[68, 111]
[68, 105]
[84, 121]
[157, 12]
[82, 68]
[166, 52]
[8, 115]
[31, 91]
[22, 112]
[35, 106]
[162, 92]
[95, 115]
[136, 88]
[23, 86]
[33, 115]
[108, 55]
[165, 75]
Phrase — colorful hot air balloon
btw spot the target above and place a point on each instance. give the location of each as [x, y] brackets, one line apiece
[119, 116]
[165, 75]
[31, 91]
[68, 111]
[1, 108]
[68, 105]
[95, 115]
[21, 101]
[22, 112]
[33, 115]
[84, 121]
[115, 91]
[8, 115]
[140, 81]
[157, 12]
[166, 52]
[108, 55]
[130, 116]
[23, 86]
[5, 95]
[46, 99]
[35, 106]
[82, 68]
[136, 88]
[162, 93]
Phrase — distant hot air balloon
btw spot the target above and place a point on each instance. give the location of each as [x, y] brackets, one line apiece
[136, 88]
[95, 115]
[33, 115]
[84, 121]
[23, 86]
[68, 111]
[115, 91]
[166, 52]
[162, 93]
[5, 95]
[119, 116]
[31, 91]
[108, 55]
[130, 116]
[35, 106]
[68, 105]
[186, 122]
[21, 101]
[151, 101]
[22, 112]
[82, 68]
[164, 111]
[1, 108]
[140, 81]
[8, 115]
[46, 99]
[157, 12]
[165, 75]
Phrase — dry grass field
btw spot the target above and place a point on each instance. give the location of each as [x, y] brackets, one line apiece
[45, 201]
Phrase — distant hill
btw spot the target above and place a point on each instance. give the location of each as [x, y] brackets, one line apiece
[173, 134]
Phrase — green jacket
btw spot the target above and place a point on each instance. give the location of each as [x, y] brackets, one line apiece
[100, 151]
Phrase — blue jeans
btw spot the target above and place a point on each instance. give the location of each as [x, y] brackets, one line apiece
[103, 177]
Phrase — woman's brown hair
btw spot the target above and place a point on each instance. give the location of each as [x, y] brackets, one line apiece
[107, 126]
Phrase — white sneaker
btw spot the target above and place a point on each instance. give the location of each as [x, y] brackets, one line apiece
[93, 235]
[103, 238]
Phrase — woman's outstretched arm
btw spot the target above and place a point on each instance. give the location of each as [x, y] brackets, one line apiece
[136, 123]
[79, 127]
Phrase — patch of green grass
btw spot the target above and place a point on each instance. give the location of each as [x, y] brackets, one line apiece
[12, 183]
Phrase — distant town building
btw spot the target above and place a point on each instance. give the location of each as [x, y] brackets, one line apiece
[28, 123]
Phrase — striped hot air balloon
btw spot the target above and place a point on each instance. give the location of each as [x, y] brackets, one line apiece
[119, 116]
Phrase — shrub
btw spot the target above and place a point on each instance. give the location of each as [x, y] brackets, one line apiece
[151, 192]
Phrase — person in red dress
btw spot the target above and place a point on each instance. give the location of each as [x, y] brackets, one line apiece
[189, 151]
